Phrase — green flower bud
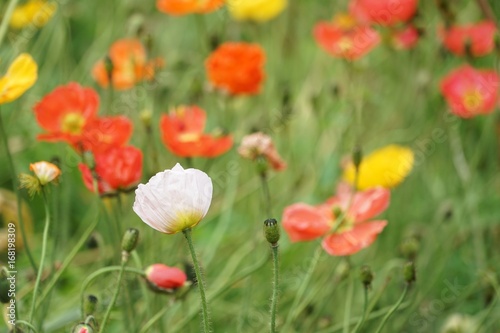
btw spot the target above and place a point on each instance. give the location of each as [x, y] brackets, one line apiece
[272, 231]
[366, 275]
[130, 238]
[83, 328]
[409, 248]
[108, 65]
[409, 272]
[89, 305]
[357, 156]
[4, 290]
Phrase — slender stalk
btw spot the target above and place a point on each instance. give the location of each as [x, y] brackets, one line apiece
[115, 295]
[200, 283]
[267, 194]
[274, 300]
[6, 19]
[154, 319]
[10, 160]
[25, 323]
[365, 312]
[42, 258]
[394, 308]
[348, 304]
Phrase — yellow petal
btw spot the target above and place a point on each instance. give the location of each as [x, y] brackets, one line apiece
[257, 10]
[20, 76]
[386, 167]
[34, 13]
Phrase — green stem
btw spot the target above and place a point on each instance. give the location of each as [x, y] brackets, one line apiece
[154, 319]
[267, 194]
[274, 300]
[365, 311]
[348, 304]
[25, 323]
[5, 141]
[200, 283]
[6, 19]
[42, 259]
[394, 308]
[115, 295]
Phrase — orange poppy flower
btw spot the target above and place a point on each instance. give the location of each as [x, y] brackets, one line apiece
[237, 68]
[346, 38]
[383, 12]
[129, 65]
[100, 134]
[182, 132]
[65, 111]
[471, 92]
[119, 168]
[353, 233]
[479, 38]
[183, 7]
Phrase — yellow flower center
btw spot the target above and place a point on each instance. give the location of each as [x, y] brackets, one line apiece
[345, 44]
[189, 137]
[472, 100]
[344, 21]
[73, 123]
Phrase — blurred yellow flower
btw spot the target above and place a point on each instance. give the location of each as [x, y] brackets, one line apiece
[34, 12]
[8, 214]
[386, 167]
[20, 76]
[257, 10]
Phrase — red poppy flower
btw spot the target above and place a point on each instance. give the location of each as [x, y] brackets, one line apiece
[237, 68]
[183, 7]
[103, 133]
[345, 38]
[406, 38]
[478, 38]
[383, 12]
[129, 65]
[65, 112]
[118, 168]
[471, 92]
[163, 277]
[182, 132]
[354, 232]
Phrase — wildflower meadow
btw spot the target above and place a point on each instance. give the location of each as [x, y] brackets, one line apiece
[243, 166]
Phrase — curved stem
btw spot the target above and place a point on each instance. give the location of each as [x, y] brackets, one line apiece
[6, 19]
[365, 312]
[42, 259]
[18, 195]
[25, 323]
[274, 300]
[115, 295]
[200, 283]
[393, 309]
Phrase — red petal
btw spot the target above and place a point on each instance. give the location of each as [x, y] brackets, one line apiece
[369, 203]
[303, 222]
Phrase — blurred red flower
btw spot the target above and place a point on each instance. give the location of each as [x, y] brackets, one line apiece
[183, 7]
[129, 65]
[352, 233]
[346, 38]
[119, 168]
[182, 132]
[237, 68]
[165, 278]
[383, 12]
[405, 39]
[471, 92]
[65, 112]
[478, 38]
[103, 133]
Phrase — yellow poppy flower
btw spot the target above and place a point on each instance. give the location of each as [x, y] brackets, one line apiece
[386, 167]
[257, 10]
[34, 12]
[20, 76]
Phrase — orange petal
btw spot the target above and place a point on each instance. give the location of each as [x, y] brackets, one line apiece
[370, 203]
[354, 240]
[303, 222]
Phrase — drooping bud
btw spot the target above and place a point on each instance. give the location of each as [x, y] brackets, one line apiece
[130, 239]
[83, 328]
[272, 231]
[165, 279]
[366, 275]
[409, 273]
[89, 305]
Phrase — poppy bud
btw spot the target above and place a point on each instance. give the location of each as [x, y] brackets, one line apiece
[83, 328]
[272, 231]
[409, 272]
[366, 276]
[410, 248]
[357, 156]
[130, 238]
[4, 290]
[89, 305]
[108, 66]
[145, 117]
[162, 278]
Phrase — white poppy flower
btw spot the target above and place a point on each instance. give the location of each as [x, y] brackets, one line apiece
[174, 200]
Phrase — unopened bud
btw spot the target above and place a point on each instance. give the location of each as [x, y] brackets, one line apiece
[130, 238]
[165, 279]
[410, 248]
[109, 67]
[366, 276]
[409, 272]
[357, 156]
[146, 116]
[342, 271]
[89, 305]
[272, 231]
[4, 290]
[83, 328]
